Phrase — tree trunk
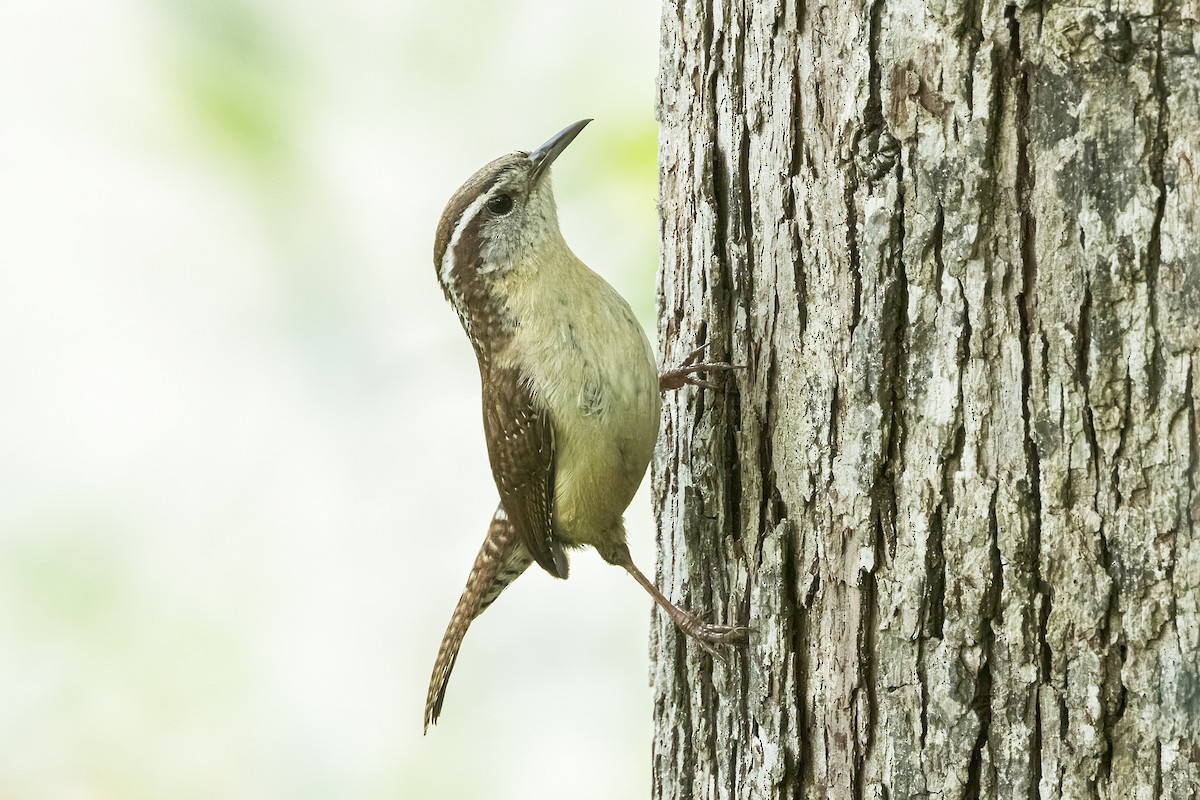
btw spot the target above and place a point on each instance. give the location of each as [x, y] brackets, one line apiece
[957, 247]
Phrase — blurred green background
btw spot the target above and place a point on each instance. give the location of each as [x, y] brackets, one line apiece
[242, 469]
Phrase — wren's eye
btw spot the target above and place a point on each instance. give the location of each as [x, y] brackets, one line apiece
[500, 205]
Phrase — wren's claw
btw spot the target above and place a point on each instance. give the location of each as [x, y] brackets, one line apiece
[714, 633]
[707, 634]
[686, 373]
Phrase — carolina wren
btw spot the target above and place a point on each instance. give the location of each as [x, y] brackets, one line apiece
[570, 390]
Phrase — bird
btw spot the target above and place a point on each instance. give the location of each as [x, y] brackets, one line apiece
[570, 390]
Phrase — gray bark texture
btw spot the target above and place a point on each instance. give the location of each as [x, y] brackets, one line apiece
[956, 245]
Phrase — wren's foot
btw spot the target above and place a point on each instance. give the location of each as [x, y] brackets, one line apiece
[707, 634]
[686, 373]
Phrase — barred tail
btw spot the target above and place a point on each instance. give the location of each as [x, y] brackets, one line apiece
[500, 561]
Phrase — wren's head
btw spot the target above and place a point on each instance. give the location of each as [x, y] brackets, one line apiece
[501, 219]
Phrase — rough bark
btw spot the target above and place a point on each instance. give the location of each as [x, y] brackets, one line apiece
[957, 246]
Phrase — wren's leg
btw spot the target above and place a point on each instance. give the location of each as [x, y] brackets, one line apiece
[706, 634]
[686, 373]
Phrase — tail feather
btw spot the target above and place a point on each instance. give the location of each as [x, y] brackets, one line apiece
[500, 561]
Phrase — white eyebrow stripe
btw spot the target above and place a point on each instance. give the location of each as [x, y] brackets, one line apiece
[447, 266]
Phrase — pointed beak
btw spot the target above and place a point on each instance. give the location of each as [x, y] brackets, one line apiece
[544, 156]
